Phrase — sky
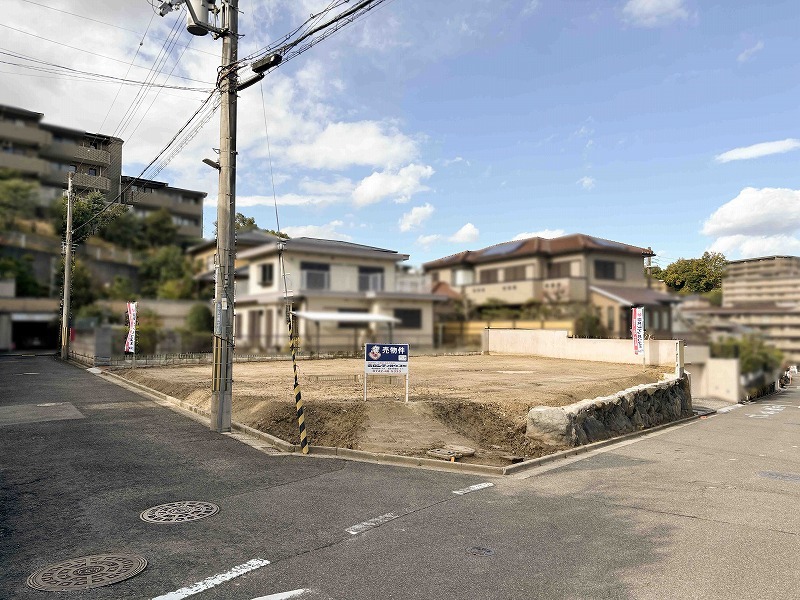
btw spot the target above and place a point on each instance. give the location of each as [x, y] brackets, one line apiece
[435, 127]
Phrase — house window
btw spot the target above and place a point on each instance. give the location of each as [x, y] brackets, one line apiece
[558, 270]
[606, 269]
[315, 276]
[370, 279]
[489, 276]
[462, 277]
[435, 277]
[72, 168]
[267, 275]
[610, 318]
[410, 318]
[656, 319]
[514, 273]
[352, 324]
[93, 171]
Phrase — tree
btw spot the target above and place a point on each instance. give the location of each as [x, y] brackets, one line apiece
[17, 198]
[696, 275]
[589, 325]
[126, 231]
[90, 214]
[83, 289]
[159, 229]
[120, 289]
[21, 271]
[242, 223]
[165, 264]
[753, 354]
[200, 318]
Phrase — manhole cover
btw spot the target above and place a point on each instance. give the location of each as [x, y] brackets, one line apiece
[179, 512]
[87, 572]
[480, 551]
[444, 453]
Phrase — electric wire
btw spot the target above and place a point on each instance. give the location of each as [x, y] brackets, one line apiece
[104, 56]
[80, 75]
[155, 69]
[182, 137]
[106, 23]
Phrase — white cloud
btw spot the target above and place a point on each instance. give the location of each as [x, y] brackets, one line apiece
[452, 161]
[365, 143]
[326, 232]
[339, 186]
[468, 233]
[425, 241]
[758, 222]
[765, 211]
[283, 200]
[750, 52]
[531, 6]
[400, 185]
[416, 217]
[759, 150]
[544, 233]
[654, 13]
[748, 246]
[586, 182]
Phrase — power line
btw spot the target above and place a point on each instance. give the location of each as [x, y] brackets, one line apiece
[54, 68]
[90, 52]
[106, 23]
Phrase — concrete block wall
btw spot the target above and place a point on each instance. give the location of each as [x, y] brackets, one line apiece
[557, 344]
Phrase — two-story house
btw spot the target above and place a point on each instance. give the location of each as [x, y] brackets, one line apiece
[572, 270]
[343, 293]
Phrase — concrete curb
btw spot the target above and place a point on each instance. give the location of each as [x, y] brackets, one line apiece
[394, 459]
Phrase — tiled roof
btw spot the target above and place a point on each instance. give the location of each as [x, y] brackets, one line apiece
[636, 296]
[537, 246]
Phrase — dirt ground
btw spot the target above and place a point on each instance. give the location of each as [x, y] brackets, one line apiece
[476, 401]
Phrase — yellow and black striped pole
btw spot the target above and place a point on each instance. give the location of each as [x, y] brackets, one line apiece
[298, 399]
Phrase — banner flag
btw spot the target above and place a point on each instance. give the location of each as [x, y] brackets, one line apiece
[637, 329]
[130, 341]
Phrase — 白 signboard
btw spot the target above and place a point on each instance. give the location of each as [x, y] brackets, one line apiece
[386, 359]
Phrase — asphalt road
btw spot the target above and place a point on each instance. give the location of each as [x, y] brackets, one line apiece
[703, 510]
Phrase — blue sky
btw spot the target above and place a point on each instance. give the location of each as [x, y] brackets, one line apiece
[435, 127]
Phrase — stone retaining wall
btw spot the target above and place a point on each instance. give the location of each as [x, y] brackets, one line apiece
[605, 417]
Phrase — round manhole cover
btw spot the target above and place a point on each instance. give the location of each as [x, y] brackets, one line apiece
[480, 551]
[179, 512]
[87, 572]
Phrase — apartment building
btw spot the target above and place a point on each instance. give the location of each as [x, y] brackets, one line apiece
[46, 153]
[758, 280]
[575, 269]
[760, 296]
[146, 196]
[343, 295]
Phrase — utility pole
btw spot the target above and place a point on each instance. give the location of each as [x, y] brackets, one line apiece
[67, 274]
[222, 377]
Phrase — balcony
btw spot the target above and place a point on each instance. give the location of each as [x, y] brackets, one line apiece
[24, 135]
[91, 182]
[510, 292]
[92, 156]
[27, 165]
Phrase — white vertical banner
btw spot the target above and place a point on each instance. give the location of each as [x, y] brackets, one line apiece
[637, 329]
[130, 341]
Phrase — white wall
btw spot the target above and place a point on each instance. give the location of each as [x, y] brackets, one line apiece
[556, 344]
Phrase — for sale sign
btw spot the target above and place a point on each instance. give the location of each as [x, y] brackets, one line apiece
[386, 359]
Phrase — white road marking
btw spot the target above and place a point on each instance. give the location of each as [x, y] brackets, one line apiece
[26, 373]
[473, 488]
[214, 580]
[283, 595]
[729, 408]
[380, 520]
[94, 371]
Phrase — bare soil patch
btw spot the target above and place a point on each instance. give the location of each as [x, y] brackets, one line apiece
[476, 401]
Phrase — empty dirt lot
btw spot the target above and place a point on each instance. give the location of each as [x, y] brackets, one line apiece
[476, 401]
